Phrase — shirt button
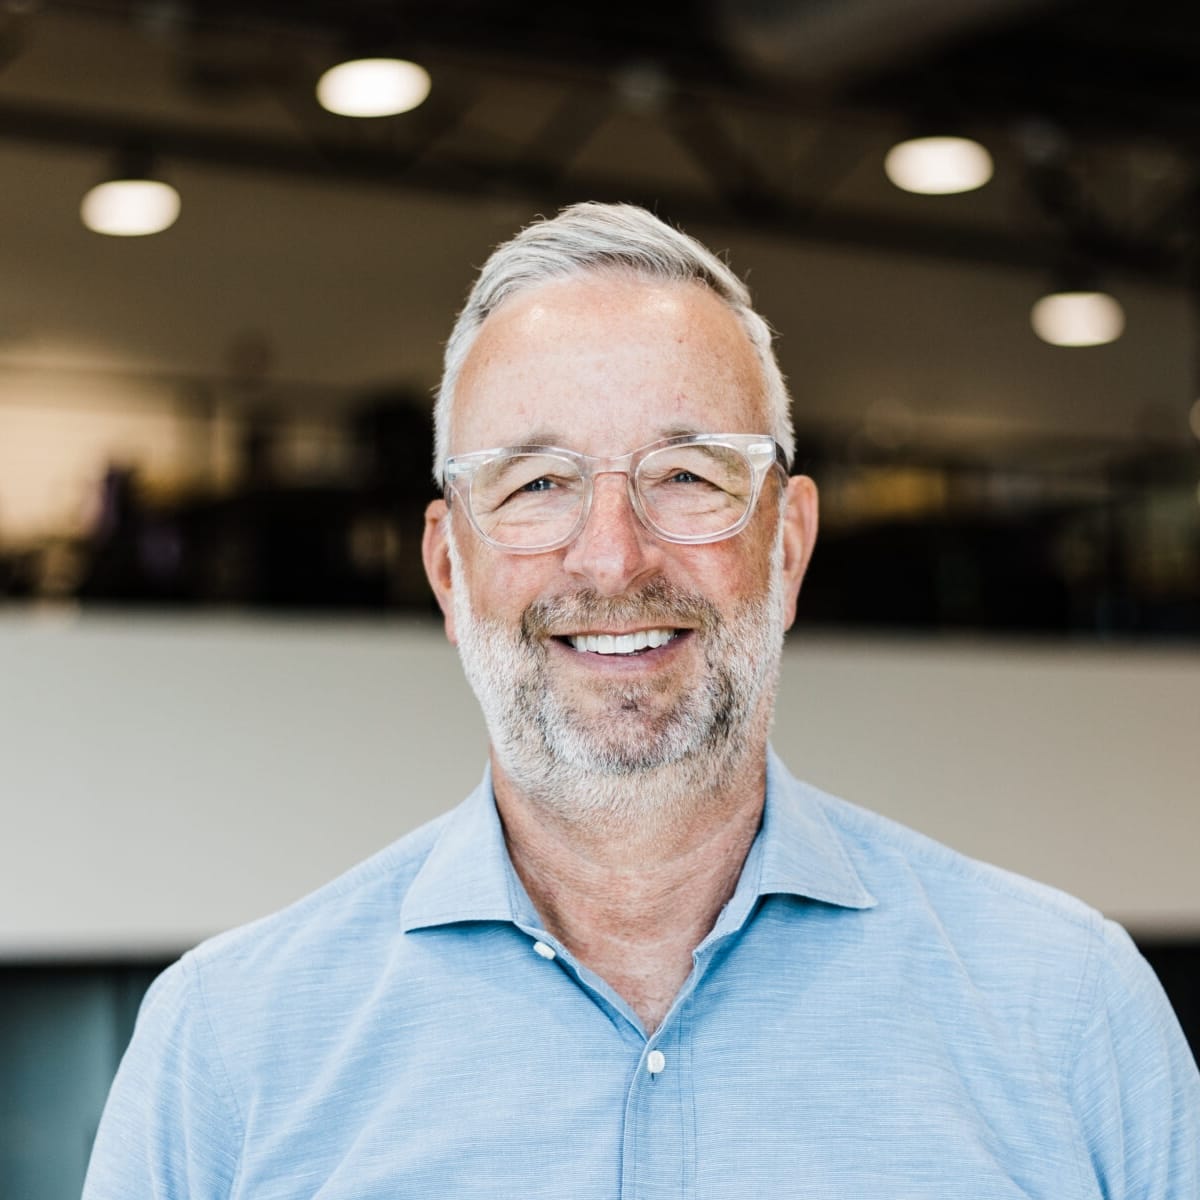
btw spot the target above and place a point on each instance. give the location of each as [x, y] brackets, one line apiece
[655, 1061]
[547, 952]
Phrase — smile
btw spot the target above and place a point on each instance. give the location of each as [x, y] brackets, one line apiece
[620, 643]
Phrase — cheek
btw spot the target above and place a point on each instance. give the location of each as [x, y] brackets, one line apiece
[502, 586]
[745, 571]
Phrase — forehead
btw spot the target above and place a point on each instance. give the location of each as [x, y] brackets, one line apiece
[606, 362]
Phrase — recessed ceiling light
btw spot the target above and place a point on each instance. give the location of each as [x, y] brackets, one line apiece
[1078, 318]
[938, 166]
[130, 207]
[373, 87]
[1194, 419]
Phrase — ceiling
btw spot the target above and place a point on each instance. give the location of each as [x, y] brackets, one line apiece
[328, 255]
[760, 113]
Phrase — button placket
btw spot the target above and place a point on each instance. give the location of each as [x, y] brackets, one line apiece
[659, 1138]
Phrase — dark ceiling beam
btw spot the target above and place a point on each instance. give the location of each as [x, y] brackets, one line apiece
[1008, 60]
[567, 128]
[462, 177]
[825, 43]
[732, 172]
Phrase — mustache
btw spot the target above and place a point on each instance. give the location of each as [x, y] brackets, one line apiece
[657, 603]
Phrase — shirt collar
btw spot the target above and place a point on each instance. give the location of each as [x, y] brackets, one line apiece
[802, 853]
[468, 875]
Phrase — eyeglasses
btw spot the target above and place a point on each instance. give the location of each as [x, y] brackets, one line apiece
[692, 489]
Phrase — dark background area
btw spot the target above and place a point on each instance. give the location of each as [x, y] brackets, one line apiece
[973, 479]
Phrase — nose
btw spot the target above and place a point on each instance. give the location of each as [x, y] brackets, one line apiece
[614, 549]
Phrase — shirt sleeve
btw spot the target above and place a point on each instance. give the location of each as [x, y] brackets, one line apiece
[1135, 1083]
[170, 1128]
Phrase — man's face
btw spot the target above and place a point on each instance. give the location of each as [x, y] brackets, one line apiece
[603, 364]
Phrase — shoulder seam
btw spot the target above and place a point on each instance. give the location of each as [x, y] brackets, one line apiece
[1084, 1006]
[193, 969]
[939, 856]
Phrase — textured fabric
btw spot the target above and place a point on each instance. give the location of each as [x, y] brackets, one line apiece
[873, 1015]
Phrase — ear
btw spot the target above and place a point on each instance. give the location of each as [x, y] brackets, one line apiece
[799, 537]
[435, 552]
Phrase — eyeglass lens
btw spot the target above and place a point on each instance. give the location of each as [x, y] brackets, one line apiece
[526, 500]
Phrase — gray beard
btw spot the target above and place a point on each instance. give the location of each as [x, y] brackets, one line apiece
[631, 762]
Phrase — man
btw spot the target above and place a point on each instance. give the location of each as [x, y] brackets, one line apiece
[642, 960]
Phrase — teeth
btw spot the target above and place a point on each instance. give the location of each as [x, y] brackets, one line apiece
[621, 643]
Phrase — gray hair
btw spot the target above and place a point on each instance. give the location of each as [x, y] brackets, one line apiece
[596, 237]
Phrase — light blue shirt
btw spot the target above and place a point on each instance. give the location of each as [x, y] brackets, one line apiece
[872, 1016]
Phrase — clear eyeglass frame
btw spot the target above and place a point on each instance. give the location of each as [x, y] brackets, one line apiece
[761, 452]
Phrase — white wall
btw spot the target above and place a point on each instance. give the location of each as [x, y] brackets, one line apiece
[163, 778]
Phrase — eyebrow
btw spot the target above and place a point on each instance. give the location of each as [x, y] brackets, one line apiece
[674, 431]
[542, 437]
[551, 437]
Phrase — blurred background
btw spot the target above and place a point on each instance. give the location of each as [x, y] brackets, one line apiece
[228, 261]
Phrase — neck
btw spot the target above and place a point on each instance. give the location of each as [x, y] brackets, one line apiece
[631, 896]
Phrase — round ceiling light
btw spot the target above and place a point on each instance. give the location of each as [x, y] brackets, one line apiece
[1078, 318]
[373, 87]
[1194, 419]
[130, 207]
[938, 166]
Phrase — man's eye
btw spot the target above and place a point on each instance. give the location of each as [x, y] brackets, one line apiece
[685, 477]
[535, 487]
